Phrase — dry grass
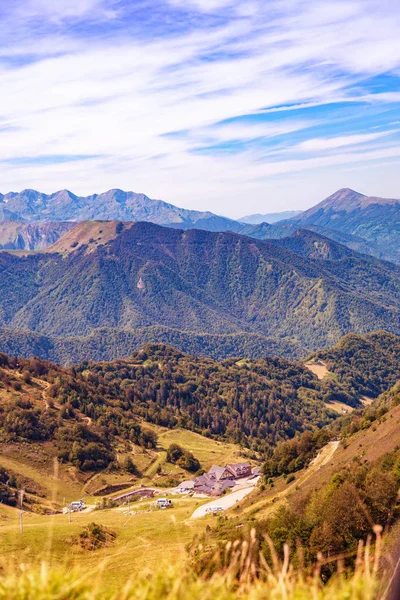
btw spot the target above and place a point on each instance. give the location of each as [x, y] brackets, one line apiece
[319, 368]
[144, 542]
[90, 233]
[238, 580]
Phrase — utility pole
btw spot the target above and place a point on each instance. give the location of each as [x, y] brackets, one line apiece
[21, 512]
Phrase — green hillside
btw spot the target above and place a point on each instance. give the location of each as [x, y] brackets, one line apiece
[193, 283]
[93, 416]
[367, 363]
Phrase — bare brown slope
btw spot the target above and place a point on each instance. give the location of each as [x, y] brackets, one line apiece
[89, 233]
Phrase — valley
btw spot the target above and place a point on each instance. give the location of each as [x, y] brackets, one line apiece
[199, 300]
[149, 360]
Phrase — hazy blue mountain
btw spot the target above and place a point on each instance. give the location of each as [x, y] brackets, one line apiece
[15, 235]
[30, 205]
[258, 218]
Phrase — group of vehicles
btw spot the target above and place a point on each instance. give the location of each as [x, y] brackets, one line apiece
[213, 509]
[161, 503]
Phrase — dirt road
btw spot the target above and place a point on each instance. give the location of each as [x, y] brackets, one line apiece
[225, 501]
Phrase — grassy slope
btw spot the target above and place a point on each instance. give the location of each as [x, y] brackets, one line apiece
[144, 542]
[34, 462]
[365, 445]
[208, 452]
[150, 540]
[87, 233]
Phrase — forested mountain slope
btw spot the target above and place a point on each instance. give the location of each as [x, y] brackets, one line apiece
[364, 223]
[86, 409]
[253, 402]
[368, 363]
[204, 283]
[107, 343]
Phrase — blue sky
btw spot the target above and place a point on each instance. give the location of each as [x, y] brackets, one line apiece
[224, 105]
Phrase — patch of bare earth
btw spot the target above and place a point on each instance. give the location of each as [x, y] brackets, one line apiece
[319, 368]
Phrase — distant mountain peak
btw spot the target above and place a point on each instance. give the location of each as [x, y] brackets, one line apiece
[347, 192]
[346, 199]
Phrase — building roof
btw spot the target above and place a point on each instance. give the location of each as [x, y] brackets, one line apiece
[223, 485]
[202, 480]
[216, 472]
[204, 489]
[186, 485]
[237, 467]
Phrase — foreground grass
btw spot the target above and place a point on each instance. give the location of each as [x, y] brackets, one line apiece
[24, 583]
[243, 574]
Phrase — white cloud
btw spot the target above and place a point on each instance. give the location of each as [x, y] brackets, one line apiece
[116, 95]
[320, 144]
[58, 10]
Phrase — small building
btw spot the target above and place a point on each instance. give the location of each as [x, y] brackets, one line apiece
[185, 487]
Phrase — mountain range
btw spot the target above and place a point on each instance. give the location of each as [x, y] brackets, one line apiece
[203, 290]
[16, 235]
[30, 206]
[369, 225]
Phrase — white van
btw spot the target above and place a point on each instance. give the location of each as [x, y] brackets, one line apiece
[163, 503]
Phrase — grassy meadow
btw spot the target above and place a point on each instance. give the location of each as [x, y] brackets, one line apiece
[144, 542]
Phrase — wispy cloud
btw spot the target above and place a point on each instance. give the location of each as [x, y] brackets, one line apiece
[321, 144]
[199, 102]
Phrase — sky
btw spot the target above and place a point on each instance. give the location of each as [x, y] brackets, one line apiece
[231, 106]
